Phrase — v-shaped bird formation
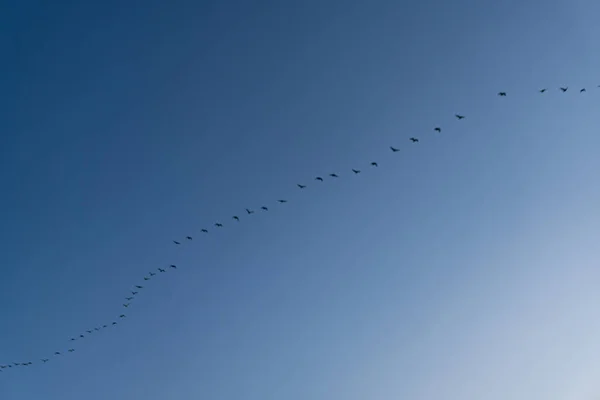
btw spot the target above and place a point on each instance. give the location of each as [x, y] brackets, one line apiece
[136, 289]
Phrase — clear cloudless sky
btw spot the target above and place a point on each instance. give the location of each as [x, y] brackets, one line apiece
[465, 266]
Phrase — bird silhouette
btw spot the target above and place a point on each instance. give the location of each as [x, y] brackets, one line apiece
[542, 90]
[236, 217]
[394, 149]
[126, 305]
[356, 171]
[122, 316]
[134, 293]
[564, 89]
[437, 129]
[129, 298]
[45, 360]
[301, 186]
[161, 270]
[89, 331]
[139, 287]
[414, 140]
[73, 339]
[176, 242]
[264, 208]
[146, 278]
[282, 201]
[459, 116]
[218, 225]
[152, 273]
[57, 353]
[71, 350]
[318, 178]
[249, 211]
[333, 175]
[582, 90]
[81, 336]
[173, 266]
[188, 237]
[503, 94]
[114, 323]
[374, 164]
[204, 230]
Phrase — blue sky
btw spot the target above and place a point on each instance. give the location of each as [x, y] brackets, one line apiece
[463, 267]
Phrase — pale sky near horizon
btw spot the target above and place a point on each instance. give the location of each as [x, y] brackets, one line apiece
[463, 267]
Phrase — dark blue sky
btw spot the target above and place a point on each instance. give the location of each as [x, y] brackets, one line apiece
[465, 266]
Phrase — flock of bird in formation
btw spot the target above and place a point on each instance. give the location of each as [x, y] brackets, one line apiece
[151, 275]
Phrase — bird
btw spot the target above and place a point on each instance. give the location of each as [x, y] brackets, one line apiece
[236, 217]
[122, 316]
[356, 171]
[333, 175]
[129, 298]
[134, 293]
[152, 273]
[114, 323]
[249, 211]
[71, 350]
[73, 339]
[104, 326]
[96, 329]
[146, 278]
[502, 94]
[161, 270]
[139, 287]
[564, 89]
[204, 230]
[176, 242]
[394, 149]
[282, 201]
[582, 90]
[374, 164]
[264, 208]
[437, 129]
[173, 266]
[45, 360]
[318, 178]
[81, 336]
[414, 140]
[301, 186]
[459, 116]
[218, 225]
[126, 305]
[89, 331]
[188, 237]
[542, 90]
[57, 353]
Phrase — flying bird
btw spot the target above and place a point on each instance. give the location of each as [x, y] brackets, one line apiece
[152, 273]
[73, 339]
[582, 90]
[126, 305]
[301, 186]
[394, 149]
[173, 266]
[188, 237]
[129, 298]
[146, 278]
[57, 353]
[45, 360]
[356, 171]
[264, 208]
[564, 89]
[437, 129]
[502, 94]
[81, 336]
[318, 178]
[114, 323]
[139, 287]
[333, 175]
[249, 211]
[282, 201]
[161, 270]
[104, 326]
[459, 116]
[176, 242]
[89, 331]
[542, 90]
[374, 164]
[236, 217]
[71, 350]
[204, 230]
[414, 140]
[218, 225]
[122, 316]
[134, 293]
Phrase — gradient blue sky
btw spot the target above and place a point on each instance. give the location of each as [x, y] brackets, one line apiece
[464, 267]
